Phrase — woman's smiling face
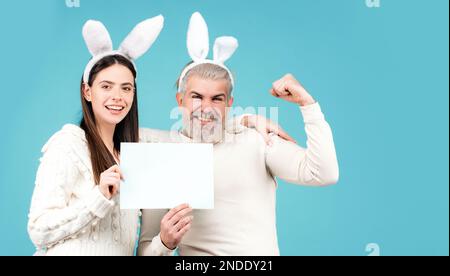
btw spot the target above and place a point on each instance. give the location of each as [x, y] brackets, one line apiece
[111, 94]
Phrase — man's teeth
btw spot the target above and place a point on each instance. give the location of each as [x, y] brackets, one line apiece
[115, 107]
[204, 119]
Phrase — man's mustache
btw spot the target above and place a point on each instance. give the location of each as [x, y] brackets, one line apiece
[213, 116]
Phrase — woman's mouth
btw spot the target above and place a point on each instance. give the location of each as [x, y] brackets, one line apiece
[115, 109]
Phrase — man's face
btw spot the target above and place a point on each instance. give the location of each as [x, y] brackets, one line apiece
[204, 106]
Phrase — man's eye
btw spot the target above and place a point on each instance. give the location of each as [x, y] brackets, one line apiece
[218, 99]
[196, 97]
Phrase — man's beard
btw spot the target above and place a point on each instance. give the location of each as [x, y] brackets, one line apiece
[210, 132]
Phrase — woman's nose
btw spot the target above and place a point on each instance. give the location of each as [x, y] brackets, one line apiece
[117, 94]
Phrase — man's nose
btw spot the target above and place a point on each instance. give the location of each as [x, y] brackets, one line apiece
[206, 104]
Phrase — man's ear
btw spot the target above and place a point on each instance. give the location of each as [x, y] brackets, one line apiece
[230, 101]
[87, 92]
[179, 97]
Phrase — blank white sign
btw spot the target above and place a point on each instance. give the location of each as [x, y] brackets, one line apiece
[165, 175]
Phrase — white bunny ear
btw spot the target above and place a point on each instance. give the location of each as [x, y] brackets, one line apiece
[142, 37]
[97, 37]
[197, 38]
[224, 48]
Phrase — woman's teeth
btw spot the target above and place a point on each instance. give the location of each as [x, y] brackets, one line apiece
[115, 107]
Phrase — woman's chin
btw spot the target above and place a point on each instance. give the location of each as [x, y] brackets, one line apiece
[113, 121]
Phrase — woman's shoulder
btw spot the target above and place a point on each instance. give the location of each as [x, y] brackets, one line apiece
[68, 137]
[69, 146]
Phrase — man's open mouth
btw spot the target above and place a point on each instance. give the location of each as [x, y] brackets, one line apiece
[205, 118]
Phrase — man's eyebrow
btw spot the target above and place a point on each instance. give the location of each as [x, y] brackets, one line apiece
[196, 93]
[219, 95]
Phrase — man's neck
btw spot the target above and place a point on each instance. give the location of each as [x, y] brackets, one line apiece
[199, 138]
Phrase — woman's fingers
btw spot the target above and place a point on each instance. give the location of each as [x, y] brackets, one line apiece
[262, 125]
[286, 136]
[262, 129]
[110, 180]
[112, 183]
[280, 132]
[265, 127]
[112, 175]
[115, 169]
[114, 189]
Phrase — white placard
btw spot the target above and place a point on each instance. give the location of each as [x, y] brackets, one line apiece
[165, 175]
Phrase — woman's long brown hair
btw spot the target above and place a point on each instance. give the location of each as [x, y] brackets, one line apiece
[126, 131]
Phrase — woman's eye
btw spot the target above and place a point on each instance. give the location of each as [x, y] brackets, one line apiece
[105, 87]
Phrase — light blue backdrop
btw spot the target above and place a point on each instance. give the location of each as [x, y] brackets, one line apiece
[380, 74]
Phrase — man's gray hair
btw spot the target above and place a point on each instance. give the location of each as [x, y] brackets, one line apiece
[207, 71]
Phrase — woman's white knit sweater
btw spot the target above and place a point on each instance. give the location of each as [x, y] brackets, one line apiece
[69, 215]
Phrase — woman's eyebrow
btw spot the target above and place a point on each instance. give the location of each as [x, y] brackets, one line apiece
[107, 81]
[112, 83]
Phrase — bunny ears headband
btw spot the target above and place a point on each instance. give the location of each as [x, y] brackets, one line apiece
[198, 47]
[137, 43]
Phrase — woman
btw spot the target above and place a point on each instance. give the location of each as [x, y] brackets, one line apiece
[74, 210]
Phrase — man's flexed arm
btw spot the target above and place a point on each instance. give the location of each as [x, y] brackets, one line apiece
[317, 163]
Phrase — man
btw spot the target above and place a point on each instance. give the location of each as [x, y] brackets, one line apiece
[245, 167]
[243, 220]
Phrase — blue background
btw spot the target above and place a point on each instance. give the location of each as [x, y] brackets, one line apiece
[380, 74]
